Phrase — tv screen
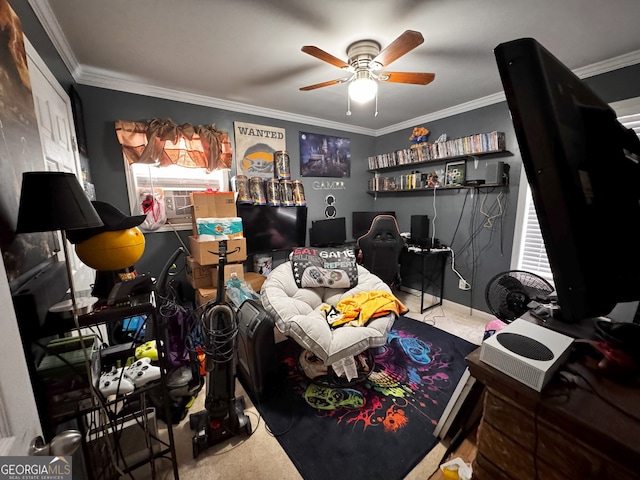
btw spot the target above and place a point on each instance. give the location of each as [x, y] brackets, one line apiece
[584, 172]
[269, 229]
[328, 233]
[361, 221]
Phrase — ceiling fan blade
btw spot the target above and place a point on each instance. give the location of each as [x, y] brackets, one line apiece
[323, 84]
[324, 56]
[407, 77]
[406, 42]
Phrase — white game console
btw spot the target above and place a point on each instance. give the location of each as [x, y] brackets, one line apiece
[526, 352]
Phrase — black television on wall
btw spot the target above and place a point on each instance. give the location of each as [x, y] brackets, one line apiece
[270, 229]
[583, 167]
[361, 221]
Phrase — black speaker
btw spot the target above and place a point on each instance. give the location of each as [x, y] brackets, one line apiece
[257, 362]
[420, 230]
[495, 173]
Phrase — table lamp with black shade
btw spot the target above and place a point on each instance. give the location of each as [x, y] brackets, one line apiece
[51, 201]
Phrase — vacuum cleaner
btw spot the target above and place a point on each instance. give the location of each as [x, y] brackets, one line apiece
[223, 416]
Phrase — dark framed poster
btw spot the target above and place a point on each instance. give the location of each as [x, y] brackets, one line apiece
[21, 152]
[324, 156]
[78, 119]
[455, 173]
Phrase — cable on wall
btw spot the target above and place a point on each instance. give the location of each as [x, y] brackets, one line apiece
[435, 215]
[489, 221]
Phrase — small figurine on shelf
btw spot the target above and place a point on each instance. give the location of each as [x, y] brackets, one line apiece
[419, 135]
[432, 181]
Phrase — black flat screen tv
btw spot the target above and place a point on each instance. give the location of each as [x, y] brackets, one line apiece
[270, 229]
[583, 167]
[361, 221]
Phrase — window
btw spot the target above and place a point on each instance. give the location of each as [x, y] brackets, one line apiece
[172, 186]
[529, 252]
[165, 163]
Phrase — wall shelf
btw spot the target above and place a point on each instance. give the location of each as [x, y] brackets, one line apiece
[457, 148]
[428, 189]
[438, 160]
[440, 154]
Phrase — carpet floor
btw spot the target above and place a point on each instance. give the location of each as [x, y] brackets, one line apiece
[377, 428]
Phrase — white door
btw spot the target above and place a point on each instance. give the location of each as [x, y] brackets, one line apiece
[55, 120]
[57, 135]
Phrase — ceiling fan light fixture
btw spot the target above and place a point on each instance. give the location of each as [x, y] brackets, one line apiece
[363, 88]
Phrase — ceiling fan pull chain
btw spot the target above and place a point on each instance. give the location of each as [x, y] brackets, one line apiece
[348, 105]
[376, 114]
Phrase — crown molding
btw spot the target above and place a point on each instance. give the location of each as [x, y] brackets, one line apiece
[616, 63]
[116, 81]
[52, 28]
[447, 112]
[113, 81]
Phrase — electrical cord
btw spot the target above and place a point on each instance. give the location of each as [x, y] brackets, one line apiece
[178, 236]
[220, 342]
[474, 231]
[535, 440]
[455, 232]
[473, 254]
[433, 220]
[453, 268]
[489, 221]
[595, 391]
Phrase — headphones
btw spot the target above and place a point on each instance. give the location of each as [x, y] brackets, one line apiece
[330, 211]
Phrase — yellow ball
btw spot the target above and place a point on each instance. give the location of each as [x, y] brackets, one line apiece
[112, 250]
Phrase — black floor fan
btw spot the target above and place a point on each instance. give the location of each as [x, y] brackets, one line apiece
[510, 294]
[223, 416]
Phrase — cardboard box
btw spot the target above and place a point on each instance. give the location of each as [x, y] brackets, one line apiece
[229, 269]
[201, 251]
[255, 280]
[213, 204]
[199, 276]
[205, 295]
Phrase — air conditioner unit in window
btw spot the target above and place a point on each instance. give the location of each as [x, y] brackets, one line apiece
[178, 204]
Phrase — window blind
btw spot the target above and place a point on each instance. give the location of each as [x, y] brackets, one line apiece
[533, 254]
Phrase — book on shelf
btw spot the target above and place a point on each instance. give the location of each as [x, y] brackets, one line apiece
[458, 147]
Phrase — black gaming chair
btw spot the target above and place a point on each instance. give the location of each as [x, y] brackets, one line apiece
[380, 249]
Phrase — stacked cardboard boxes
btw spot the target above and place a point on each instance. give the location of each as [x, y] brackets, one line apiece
[204, 260]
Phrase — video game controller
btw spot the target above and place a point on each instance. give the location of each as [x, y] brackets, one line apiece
[338, 278]
[142, 372]
[148, 350]
[321, 277]
[115, 383]
[312, 276]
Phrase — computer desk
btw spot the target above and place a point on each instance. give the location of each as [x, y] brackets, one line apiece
[422, 270]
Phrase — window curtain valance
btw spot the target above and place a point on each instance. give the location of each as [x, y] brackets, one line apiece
[162, 142]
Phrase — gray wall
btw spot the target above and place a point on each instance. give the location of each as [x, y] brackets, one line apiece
[487, 251]
[103, 107]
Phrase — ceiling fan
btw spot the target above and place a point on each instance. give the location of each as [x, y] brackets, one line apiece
[366, 63]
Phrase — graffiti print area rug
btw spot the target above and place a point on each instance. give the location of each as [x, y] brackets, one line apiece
[379, 428]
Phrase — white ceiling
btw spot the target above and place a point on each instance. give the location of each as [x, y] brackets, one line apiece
[244, 55]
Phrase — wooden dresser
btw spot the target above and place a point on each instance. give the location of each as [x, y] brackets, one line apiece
[566, 432]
